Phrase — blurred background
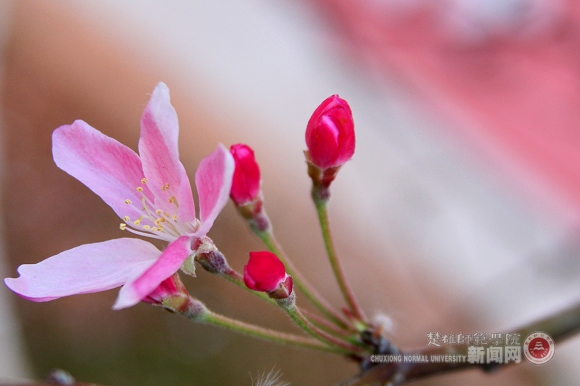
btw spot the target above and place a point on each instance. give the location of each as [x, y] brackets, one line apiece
[459, 212]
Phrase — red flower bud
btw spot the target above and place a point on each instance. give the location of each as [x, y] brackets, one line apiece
[266, 273]
[172, 287]
[330, 133]
[246, 181]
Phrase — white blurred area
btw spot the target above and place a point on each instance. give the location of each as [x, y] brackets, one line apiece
[420, 204]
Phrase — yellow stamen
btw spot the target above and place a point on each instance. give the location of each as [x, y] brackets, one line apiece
[126, 218]
[139, 189]
[128, 202]
[144, 180]
[123, 226]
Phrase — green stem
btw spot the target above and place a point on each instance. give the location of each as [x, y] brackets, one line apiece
[327, 326]
[215, 262]
[321, 209]
[317, 333]
[197, 312]
[237, 279]
[306, 288]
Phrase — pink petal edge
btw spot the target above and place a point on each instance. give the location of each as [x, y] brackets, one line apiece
[213, 180]
[107, 167]
[158, 148]
[85, 269]
[147, 280]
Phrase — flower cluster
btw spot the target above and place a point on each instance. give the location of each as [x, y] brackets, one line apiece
[152, 195]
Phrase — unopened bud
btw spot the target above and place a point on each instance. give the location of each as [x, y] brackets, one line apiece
[245, 192]
[330, 134]
[246, 181]
[266, 273]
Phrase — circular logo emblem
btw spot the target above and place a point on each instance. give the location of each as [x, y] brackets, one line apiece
[539, 348]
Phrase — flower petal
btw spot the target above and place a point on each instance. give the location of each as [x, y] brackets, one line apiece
[84, 269]
[166, 176]
[214, 181]
[107, 167]
[142, 283]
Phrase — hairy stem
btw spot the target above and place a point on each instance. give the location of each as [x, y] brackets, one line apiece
[236, 278]
[197, 312]
[317, 333]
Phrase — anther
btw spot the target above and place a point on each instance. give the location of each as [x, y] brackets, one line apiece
[126, 218]
[128, 202]
[123, 226]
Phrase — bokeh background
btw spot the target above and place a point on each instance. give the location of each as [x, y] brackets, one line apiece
[459, 212]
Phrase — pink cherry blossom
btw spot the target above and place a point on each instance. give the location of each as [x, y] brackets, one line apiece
[151, 193]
